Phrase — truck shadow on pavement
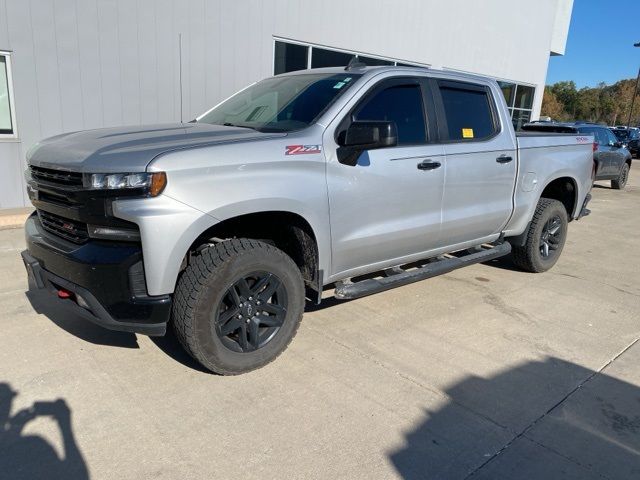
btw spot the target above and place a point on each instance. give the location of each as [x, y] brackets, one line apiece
[27, 456]
[171, 347]
[43, 303]
[540, 420]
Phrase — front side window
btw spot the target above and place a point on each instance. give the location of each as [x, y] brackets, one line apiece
[611, 138]
[401, 104]
[621, 134]
[281, 104]
[468, 112]
[6, 120]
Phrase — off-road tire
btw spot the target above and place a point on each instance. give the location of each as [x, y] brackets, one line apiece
[620, 182]
[529, 256]
[202, 287]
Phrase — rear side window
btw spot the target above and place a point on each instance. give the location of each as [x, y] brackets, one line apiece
[468, 112]
[599, 133]
[401, 104]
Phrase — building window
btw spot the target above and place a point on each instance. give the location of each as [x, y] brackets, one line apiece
[519, 99]
[289, 57]
[7, 116]
[329, 58]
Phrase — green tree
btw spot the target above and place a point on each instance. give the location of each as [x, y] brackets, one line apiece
[567, 94]
[608, 104]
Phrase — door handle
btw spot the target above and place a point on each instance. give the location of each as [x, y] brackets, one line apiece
[428, 165]
[504, 159]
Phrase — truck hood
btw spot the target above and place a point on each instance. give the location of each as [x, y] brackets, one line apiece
[131, 149]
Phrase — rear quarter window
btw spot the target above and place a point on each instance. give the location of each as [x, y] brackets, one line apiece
[468, 111]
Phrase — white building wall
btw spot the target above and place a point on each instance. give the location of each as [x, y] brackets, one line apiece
[80, 64]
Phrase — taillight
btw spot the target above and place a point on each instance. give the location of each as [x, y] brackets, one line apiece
[595, 146]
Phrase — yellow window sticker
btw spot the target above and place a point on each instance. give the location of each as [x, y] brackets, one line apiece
[467, 133]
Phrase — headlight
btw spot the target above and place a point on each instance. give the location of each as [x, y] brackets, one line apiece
[151, 183]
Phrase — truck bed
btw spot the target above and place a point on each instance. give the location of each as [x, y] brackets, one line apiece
[544, 157]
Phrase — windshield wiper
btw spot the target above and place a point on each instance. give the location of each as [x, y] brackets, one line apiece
[229, 124]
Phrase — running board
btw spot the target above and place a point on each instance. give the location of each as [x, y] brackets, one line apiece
[351, 290]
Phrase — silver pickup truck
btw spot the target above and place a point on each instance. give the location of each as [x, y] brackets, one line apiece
[360, 178]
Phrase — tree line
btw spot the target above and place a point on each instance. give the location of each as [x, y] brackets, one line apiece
[607, 104]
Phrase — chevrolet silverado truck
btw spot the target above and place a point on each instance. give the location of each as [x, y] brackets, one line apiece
[359, 179]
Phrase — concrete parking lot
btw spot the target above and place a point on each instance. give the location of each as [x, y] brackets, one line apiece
[487, 372]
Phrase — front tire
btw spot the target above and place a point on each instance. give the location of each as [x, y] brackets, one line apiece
[238, 305]
[620, 182]
[545, 238]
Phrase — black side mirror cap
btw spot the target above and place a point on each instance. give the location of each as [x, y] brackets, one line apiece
[361, 136]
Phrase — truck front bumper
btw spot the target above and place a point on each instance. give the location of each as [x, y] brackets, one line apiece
[101, 281]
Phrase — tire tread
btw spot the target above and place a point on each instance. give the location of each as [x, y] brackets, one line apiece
[192, 284]
[523, 256]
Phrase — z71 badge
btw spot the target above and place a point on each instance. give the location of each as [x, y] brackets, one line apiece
[302, 149]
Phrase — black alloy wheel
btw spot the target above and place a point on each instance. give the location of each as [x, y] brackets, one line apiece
[551, 236]
[251, 312]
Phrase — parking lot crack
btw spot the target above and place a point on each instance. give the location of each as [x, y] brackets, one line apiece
[549, 411]
[555, 452]
[605, 284]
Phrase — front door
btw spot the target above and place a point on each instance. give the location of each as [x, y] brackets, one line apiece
[388, 206]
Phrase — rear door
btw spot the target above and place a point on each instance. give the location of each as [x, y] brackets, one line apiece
[387, 206]
[481, 162]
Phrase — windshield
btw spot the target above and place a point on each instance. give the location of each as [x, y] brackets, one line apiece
[281, 104]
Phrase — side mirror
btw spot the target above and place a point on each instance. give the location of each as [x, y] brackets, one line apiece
[618, 144]
[361, 136]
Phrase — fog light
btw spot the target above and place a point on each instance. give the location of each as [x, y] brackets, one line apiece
[113, 233]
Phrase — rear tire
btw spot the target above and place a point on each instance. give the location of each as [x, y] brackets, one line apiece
[545, 238]
[620, 182]
[238, 305]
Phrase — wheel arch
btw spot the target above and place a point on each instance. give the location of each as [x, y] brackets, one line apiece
[565, 190]
[287, 229]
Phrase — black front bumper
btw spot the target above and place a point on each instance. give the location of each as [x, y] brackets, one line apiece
[102, 275]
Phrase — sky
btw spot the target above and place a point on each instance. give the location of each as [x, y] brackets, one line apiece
[600, 44]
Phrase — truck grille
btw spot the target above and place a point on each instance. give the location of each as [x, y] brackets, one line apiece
[70, 230]
[57, 177]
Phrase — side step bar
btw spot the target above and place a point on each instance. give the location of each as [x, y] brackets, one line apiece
[349, 290]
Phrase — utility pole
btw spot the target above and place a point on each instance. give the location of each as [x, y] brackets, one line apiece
[635, 91]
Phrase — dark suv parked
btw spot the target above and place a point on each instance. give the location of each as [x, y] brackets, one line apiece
[630, 137]
[613, 160]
